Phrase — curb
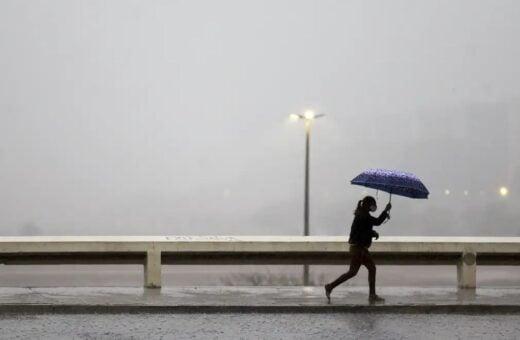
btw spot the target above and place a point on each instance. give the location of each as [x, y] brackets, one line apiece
[236, 309]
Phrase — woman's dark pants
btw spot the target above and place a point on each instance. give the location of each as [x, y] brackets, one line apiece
[359, 256]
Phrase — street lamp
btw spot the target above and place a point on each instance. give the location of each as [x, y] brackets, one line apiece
[308, 117]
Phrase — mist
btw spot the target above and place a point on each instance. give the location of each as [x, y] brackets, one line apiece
[171, 117]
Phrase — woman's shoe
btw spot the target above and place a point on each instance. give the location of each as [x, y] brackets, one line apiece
[373, 298]
[327, 292]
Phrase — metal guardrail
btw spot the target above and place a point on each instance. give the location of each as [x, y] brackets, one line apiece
[154, 251]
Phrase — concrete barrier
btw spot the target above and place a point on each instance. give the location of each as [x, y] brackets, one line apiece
[154, 251]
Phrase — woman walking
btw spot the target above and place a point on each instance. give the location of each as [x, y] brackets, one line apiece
[361, 234]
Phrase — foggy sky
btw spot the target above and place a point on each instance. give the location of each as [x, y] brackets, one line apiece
[170, 117]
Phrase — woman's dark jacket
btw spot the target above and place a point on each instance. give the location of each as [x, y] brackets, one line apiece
[361, 231]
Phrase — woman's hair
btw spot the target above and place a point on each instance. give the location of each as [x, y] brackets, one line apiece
[364, 205]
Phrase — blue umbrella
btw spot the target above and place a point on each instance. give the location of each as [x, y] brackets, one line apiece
[392, 181]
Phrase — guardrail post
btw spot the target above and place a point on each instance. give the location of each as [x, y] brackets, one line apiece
[152, 269]
[467, 270]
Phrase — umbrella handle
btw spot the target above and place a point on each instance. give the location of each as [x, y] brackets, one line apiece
[389, 202]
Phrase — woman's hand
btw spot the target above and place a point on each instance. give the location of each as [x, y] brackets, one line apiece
[375, 234]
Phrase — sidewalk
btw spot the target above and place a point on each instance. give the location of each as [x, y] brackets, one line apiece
[231, 299]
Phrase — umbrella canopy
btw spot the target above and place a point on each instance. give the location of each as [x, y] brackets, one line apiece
[392, 181]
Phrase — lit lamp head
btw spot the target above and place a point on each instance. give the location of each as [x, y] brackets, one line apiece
[294, 117]
[309, 115]
[503, 191]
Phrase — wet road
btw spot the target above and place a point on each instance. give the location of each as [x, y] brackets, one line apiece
[260, 326]
[142, 313]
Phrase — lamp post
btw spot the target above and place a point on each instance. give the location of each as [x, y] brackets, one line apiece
[308, 117]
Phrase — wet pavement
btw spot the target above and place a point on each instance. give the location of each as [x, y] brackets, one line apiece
[260, 326]
[258, 313]
[256, 299]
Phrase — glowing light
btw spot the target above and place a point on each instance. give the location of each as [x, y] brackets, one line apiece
[466, 192]
[503, 191]
[309, 115]
[447, 192]
[294, 117]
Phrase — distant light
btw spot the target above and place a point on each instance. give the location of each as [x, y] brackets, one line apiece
[447, 192]
[503, 191]
[309, 115]
[466, 192]
[294, 117]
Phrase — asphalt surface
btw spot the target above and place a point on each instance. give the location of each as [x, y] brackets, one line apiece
[260, 326]
[258, 313]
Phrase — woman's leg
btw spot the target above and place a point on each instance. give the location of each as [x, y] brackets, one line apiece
[355, 263]
[371, 266]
